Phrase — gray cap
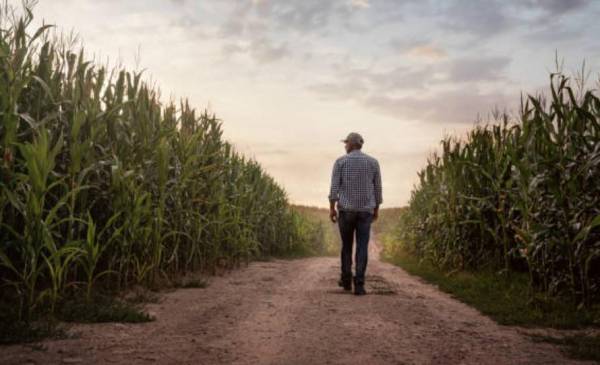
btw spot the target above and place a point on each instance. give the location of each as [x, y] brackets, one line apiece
[354, 138]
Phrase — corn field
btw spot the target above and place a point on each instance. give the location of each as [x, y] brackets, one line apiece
[518, 194]
[326, 232]
[101, 184]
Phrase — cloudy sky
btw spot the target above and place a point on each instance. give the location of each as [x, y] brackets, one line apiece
[289, 78]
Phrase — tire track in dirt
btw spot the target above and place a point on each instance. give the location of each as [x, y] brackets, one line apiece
[293, 312]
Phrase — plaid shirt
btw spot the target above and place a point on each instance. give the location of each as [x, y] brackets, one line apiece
[356, 182]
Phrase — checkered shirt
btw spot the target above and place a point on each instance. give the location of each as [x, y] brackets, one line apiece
[356, 182]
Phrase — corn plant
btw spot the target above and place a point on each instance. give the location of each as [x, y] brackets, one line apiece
[518, 195]
[103, 185]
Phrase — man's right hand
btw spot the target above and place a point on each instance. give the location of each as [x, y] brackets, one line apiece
[333, 215]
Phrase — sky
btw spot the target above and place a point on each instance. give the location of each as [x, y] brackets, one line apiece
[289, 79]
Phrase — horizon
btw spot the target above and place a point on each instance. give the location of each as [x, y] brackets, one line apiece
[290, 79]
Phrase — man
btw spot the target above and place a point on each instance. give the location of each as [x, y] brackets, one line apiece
[356, 188]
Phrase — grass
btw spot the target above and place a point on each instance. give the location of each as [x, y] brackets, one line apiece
[579, 347]
[194, 283]
[102, 309]
[16, 330]
[13, 332]
[507, 300]
[330, 235]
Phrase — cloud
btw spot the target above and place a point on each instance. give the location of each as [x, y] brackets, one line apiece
[347, 89]
[560, 29]
[230, 49]
[262, 50]
[400, 78]
[461, 105]
[405, 44]
[358, 84]
[303, 16]
[554, 34]
[308, 15]
[260, 27]
[235, 23]
[479, 19]
[312, 16]
[471, 68]
[361, 4]
[427, 51]
[557, 7]
[418, 47]
[417, 93]
[484, 19]
[348, 83]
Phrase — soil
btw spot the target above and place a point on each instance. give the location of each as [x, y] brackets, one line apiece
[293, 312]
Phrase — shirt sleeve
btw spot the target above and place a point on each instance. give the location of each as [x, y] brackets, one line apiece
[336, 179]
[377, 184]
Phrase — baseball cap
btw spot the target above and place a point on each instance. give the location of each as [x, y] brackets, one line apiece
[354, 138]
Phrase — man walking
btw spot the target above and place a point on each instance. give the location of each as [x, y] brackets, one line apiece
[356, 188]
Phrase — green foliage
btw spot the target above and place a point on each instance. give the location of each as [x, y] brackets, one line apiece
[101, 309]
[194, 283]
[13, 332]
[103, 186]
[581, 347]
[517, 196]
[325, 236]
[503, 298]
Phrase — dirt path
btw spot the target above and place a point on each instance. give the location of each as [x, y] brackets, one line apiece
[292, 312]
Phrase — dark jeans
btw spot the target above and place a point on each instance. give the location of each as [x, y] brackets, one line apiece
[350, 223]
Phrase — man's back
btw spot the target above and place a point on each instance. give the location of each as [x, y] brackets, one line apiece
[356, 182]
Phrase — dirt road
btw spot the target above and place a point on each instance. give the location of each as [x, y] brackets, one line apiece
[292, 312]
